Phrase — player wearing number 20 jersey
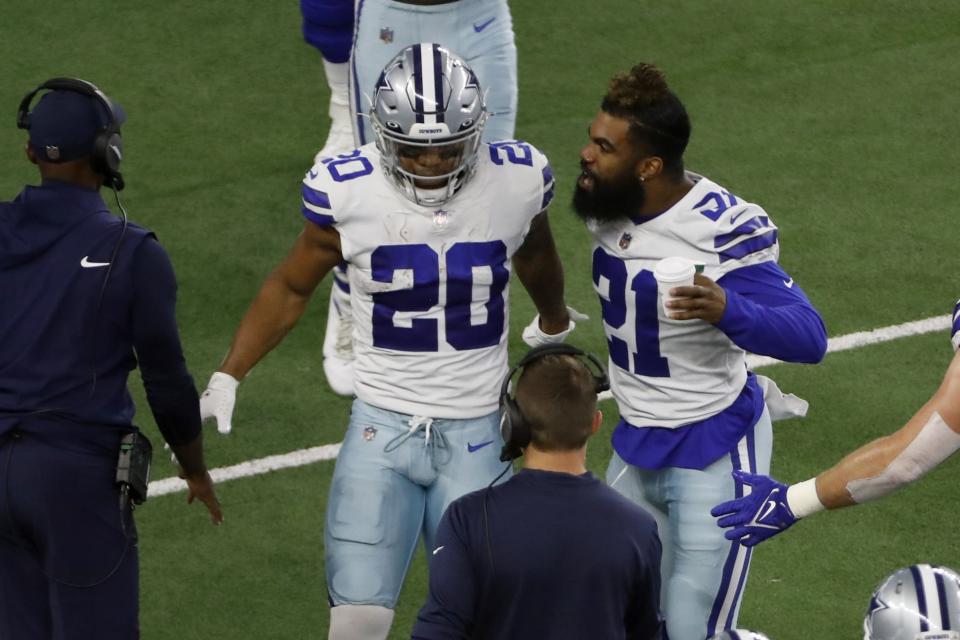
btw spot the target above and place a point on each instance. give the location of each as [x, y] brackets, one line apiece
[428, 284]
[690, 410]
[432, 222]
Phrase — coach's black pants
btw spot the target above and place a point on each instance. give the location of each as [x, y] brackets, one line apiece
[68, 565]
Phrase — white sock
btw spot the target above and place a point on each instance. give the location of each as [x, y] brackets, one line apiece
[359, 622]
[338, 79]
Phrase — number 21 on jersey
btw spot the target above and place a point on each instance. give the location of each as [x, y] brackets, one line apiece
[643, 356]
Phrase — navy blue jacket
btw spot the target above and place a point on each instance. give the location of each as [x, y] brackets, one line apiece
[544, 555]
[80, 307]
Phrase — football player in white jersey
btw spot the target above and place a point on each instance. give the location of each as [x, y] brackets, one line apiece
[874, 470]
[354, 53]
[690, 410]
[432, 222]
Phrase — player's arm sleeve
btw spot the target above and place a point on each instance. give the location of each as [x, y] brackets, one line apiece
[171, 393]
[448, 612]
[328, 26]
[643, 619]
[768, 314]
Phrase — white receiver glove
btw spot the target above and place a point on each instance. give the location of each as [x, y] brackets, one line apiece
[218, 400]
[535, 337]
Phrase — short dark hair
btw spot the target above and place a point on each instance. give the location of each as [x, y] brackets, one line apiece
[658, 120]
[558, 398]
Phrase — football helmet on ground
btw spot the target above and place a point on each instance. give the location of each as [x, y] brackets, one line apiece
[428, 115]
[920, 602]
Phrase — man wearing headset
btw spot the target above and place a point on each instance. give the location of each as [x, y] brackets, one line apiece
[86, 299]
[553, 552]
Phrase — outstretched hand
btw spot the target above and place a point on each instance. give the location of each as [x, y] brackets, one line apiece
[201, 488]
[761, 514]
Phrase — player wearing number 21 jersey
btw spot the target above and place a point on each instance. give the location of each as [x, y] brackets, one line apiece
[690, 410]
[431, 222]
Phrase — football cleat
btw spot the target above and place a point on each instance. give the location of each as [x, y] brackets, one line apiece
[428, 115]
[920, 602]
[739, 634]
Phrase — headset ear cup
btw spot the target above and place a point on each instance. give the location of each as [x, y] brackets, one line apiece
[113, 153]
[108, 152]
[107, 155]
[513, 430]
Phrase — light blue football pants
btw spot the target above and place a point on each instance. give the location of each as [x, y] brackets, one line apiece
[394, 477]
[703, 573]
[479, 31]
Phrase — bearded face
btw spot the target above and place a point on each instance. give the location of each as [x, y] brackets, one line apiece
[608, 198]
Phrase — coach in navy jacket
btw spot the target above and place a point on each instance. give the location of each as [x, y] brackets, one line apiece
[553, 552]
[84, 297]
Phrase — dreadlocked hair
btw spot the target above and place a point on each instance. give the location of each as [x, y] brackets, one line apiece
[658, 120]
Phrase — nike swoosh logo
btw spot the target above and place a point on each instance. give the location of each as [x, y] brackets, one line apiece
[788, 283]
[86, 264]
[437, 550]
[312, 174]
[483, 25]
[471, 448]
[733, 219]
[768, 509]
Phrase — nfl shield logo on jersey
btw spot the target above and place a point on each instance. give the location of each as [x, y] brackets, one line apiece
[440, 217]
[369, 433]
[386, 35]
[625, 241]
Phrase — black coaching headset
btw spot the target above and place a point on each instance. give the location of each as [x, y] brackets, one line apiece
[107, 149]
[513, 425]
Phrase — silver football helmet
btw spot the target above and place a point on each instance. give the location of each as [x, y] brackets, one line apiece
[428, 114]
[921, 602]
[740, 634]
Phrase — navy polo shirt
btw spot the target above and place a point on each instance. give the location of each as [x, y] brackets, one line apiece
[544, 555]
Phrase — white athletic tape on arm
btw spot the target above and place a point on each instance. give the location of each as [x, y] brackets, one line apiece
[802, 498]
[935, 443]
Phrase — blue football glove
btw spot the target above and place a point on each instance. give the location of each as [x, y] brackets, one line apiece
[760, 515]
[955, 332]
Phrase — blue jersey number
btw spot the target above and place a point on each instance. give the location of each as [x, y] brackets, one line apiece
[647, 360]
[424, 264]
[348, 166]
[516, 152]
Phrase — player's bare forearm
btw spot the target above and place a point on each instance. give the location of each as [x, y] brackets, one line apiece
[538, 266]
[272, 314]
[282, 298]
[873, 458]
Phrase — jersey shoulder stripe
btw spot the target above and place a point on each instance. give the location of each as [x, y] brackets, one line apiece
[755, 244]
[316, 206]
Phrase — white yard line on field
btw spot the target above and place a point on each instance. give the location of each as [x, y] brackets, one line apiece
[330, 451]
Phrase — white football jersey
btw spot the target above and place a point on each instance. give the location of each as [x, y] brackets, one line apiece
[663, 372]
[429, 286]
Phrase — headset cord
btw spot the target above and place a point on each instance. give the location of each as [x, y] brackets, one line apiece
[17, 538]
[103, 289]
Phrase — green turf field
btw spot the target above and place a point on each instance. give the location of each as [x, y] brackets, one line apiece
[838, 116]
